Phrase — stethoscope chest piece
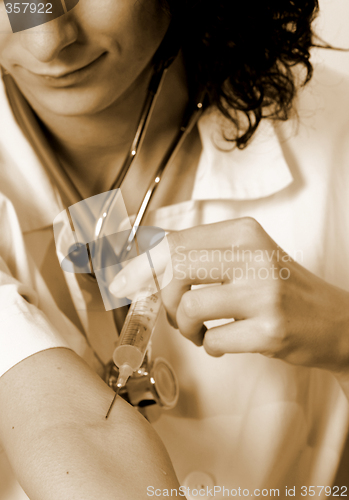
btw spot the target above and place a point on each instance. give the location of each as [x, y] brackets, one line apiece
[154, 383]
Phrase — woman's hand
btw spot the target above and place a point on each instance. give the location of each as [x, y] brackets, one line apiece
[280, 309]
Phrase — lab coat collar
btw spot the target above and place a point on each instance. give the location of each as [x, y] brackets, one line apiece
[226, 172]
[258, 171]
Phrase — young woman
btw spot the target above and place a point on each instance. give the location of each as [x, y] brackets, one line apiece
[243, 420]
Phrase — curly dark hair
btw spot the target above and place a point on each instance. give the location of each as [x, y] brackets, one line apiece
[243, 51]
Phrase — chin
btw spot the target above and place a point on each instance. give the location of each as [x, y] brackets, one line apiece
[75, 101]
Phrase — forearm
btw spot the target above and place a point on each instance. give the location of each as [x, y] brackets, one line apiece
[52, 409]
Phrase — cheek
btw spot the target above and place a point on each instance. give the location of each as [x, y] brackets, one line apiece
[127, 26]
[149, 25]
[149, 21]
[6, 44]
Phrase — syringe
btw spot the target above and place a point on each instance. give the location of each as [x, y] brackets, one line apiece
[135, 335]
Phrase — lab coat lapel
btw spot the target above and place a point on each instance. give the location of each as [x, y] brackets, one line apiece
[225, 172]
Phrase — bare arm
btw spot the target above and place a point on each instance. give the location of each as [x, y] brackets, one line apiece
[53, 428]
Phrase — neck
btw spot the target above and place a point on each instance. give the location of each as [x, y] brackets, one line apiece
[103, 139]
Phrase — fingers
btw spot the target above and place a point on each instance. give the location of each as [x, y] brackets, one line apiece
[189, 270]
[190, 267]
[238, 337]
[204, 304]
[226, 235]
[139, 272]
[235, 232]
[239, 297]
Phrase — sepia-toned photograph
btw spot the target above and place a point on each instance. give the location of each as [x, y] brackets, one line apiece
[174, 249]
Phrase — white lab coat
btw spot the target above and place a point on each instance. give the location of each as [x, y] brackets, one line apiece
[242, 420]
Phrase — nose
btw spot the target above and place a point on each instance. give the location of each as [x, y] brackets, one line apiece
[46, 41]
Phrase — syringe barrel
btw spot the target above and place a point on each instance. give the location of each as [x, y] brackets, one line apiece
[137, 330]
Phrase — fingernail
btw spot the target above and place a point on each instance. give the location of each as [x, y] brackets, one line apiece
[117, 286]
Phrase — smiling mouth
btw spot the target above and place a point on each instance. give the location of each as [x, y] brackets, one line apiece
[69, 73]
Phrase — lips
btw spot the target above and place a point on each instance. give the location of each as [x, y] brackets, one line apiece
[67, 77]
[66, 73]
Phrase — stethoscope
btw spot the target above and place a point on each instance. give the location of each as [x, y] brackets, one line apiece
[141, 389]
[155, 382]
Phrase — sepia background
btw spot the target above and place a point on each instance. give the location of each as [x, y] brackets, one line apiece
[333, 26]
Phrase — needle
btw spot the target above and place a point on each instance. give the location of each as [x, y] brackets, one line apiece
[114, 399]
